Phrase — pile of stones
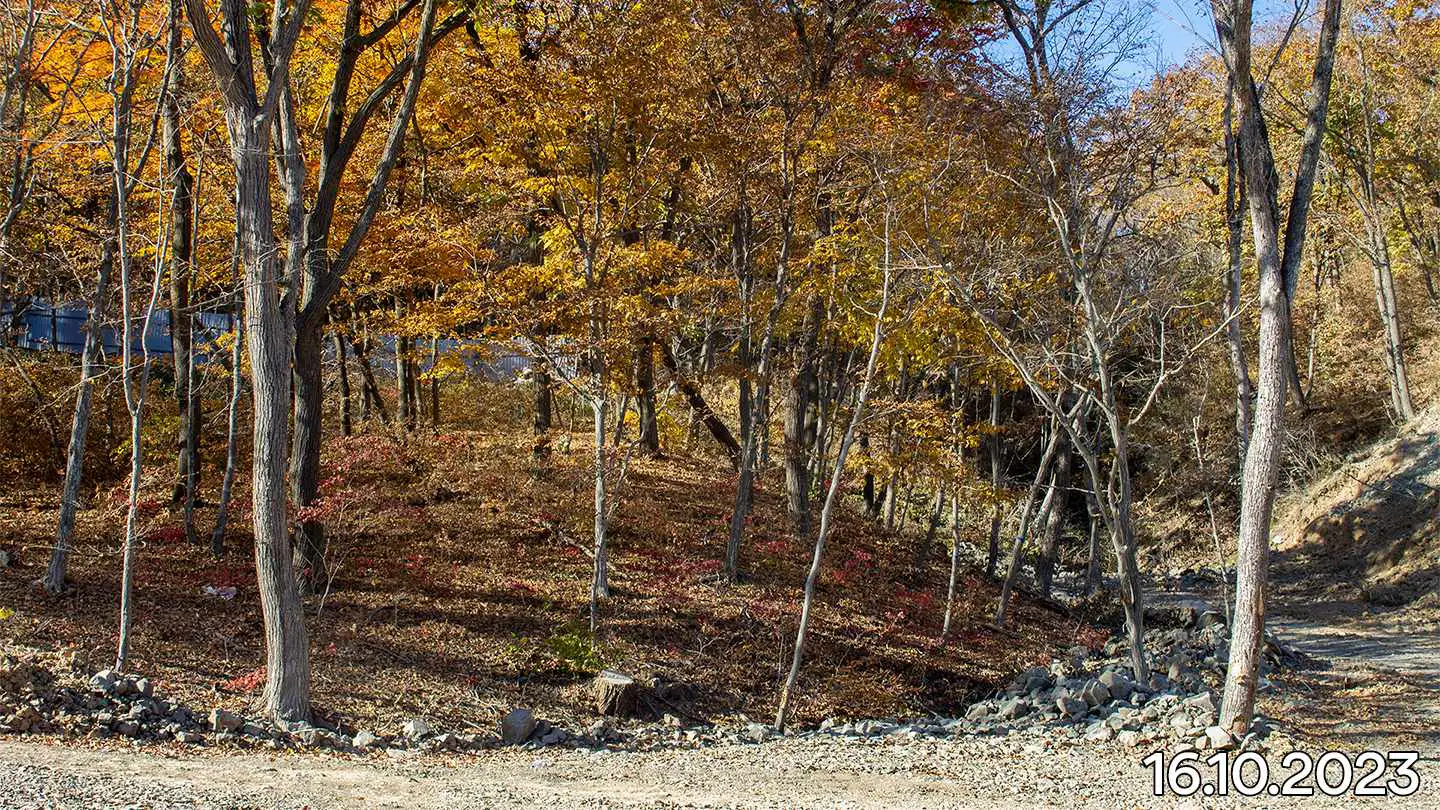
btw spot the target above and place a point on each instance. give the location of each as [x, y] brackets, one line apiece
[1097, 698]
[47, 693]
[38, 695]
[1085, 697]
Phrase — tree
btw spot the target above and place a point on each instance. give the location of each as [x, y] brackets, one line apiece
[320, 267]
[248, 117]
[1277, 259]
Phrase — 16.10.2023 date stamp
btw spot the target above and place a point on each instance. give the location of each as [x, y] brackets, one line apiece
[1226, 773]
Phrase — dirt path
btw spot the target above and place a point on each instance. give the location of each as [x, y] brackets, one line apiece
[1376, 681]
[963, 772]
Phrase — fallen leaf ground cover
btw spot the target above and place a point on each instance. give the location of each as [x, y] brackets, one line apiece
[460, 582]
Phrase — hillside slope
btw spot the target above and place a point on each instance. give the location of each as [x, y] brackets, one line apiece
[1366, 537]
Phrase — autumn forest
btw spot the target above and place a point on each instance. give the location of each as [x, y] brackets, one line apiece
[634, 373]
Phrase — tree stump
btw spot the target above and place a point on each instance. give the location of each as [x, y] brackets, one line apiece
[615, 693]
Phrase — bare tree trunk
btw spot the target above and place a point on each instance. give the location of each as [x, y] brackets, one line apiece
[92, 359]
[954, 562]
[1234, 330]
[434, 384]
[1041, 473]
[232, 431]
[836, 474]
[649, 430]
[1093, 562]
[1262, 459]
[718, 429]
[404, 408]
[182, 203]
[347, 425]
[600, 580]
[932, 526]
[798, 425]
[248, 118]
[369, 390]
[1050, 540]
[1384, 280]
[992, 557]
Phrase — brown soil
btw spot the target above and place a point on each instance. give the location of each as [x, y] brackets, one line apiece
[1365, 539]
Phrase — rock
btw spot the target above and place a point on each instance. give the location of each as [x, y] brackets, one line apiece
[1099, 732]
[1035, 679]
[1129, 739]
[1014, 708]
[977, 711]
[128, 728]
[144, 687]
[1205, 702]
[555, 737]
[829, 723]
[1095, 694]
[104, 681]
[1116, 684]
[365, 740]
[602, 729]
[415, 729]
[221, 720]
[1211, 618]
[1220, 739]
[1072, 707]
[517, 726]
[4, 559]
[189, 737]
[615, 693]
[757, 733]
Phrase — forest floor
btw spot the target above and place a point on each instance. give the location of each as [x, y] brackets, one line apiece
[460, 590]
[1025, 768]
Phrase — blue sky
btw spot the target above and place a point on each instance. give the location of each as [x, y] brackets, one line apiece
[1183, 26]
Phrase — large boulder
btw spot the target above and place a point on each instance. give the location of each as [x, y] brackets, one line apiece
[517, 726]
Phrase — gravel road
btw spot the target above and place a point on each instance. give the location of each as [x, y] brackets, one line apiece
[1018, 770]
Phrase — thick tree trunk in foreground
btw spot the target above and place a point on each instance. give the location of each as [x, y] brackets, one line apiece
[1273, 260]
[248, 118]
[287, 668]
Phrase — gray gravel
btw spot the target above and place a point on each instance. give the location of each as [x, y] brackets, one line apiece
[1020, 769]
